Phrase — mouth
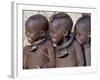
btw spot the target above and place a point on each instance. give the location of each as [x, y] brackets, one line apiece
[54, 42]
[29, 39]
[53, 39]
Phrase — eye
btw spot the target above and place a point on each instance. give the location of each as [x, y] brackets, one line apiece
[27, 33]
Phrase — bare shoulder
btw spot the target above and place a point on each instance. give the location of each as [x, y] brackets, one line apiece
[26, 49]
[76, 45]
[49, 43]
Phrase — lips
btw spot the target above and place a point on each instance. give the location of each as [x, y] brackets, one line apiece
[54, 42]
[29, 39]
[53, 39]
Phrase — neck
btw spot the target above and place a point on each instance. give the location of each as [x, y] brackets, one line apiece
[87, 44]
[63, 41]
[67, 42]
[38, 41]
[36, 44]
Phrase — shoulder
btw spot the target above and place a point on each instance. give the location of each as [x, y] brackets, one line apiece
[26, 49]
[76, 44]
[48, 43]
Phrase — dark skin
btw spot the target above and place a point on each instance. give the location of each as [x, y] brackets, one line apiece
[83, 36]
[33, 32]
[82, 33]
[58, 32]
[43, 56]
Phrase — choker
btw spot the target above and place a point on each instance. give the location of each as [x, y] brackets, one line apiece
[36, 44]
[64, 46]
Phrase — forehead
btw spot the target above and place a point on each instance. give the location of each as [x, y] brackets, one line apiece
[33, 24]
[58, 23]
[82, 27]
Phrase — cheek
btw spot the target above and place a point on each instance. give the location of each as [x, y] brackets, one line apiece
[82, 38]
[34, 35]
[58, 36]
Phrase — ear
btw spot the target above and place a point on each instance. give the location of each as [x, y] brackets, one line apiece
[65, 33]
[42, 33]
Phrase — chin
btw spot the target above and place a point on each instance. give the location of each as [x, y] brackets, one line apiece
[54, 42]
[30, 41]
[80, 42]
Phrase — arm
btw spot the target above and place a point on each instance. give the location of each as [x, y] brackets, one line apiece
[25, 57]
[51, 54]
[79, 53]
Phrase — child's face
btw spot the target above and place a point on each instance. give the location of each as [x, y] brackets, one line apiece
[57, 31]
[81, 34]
[33, 31]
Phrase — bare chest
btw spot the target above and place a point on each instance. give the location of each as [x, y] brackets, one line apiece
[68, 60]
[38, 57]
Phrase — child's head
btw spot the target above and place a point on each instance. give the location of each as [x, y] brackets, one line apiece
[36, 27]
[83, 28]
[60, 26]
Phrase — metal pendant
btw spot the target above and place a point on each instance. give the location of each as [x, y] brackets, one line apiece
[63, 53]
[34, 47]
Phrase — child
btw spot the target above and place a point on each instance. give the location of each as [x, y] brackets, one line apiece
[40, 54]
[60, 29]
[83, 28]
